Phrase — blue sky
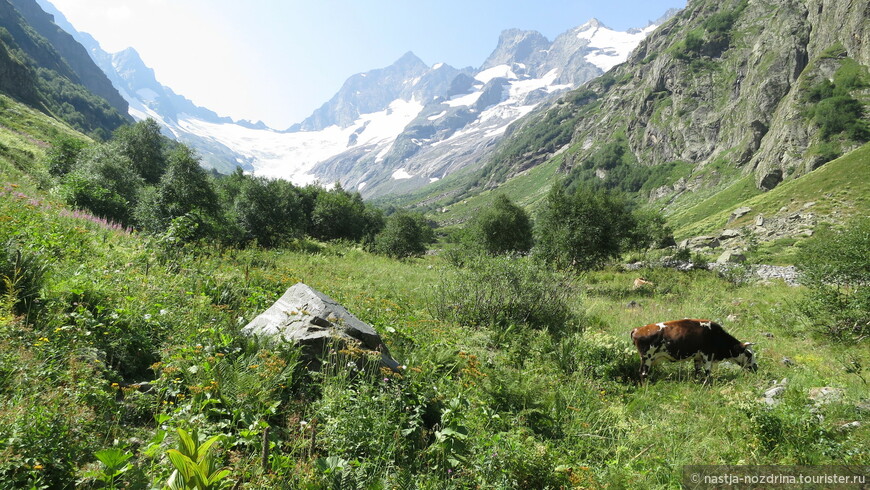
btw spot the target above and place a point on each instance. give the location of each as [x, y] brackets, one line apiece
[278, 60]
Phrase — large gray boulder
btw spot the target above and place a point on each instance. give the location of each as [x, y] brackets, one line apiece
[307, 317]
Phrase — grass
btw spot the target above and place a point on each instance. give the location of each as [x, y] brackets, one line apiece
[833, 188]
[511, 405]
[533, 409]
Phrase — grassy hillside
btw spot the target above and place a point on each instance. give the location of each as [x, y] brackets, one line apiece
[24, 138]
[839, 189]
[506, 406]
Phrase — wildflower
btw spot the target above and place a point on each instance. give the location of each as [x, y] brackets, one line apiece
[253, 366]
[38, 466]
[114, 385]
[163, 312]
[147, 316]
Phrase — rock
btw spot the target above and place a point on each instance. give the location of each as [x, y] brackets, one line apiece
[309, 318]
[702, 242]
[849, 426]
[786, 361]
[863, 407]
[788, 273]
[759, 220]
[771, 396]
[825, 395]
[731, 257]
[809, 204]
[738, 213]
[729, 234]
[635, 266]
[632, 304]
[732, 318]
[767, 334]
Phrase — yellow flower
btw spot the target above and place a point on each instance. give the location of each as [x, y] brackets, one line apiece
[38, 467]
[114, 385]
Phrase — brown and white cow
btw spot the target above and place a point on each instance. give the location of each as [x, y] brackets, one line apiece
[702, 340]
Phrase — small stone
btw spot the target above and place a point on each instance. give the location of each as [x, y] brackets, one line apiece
[731, 257]
[809, 204]
[786, 361]
[759, 220]
[849, 426]
[739, 212]
[732, 317]
[767, 334]
[774, 392]
[825, 394]
[729, 234]
[632, 304]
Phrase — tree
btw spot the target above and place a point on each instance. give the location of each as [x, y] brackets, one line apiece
[404, 235]
[339, 214]
[503, 228]
[268, 210]
[583, 229]
[143, 144]
[62, 156]
[835, 267]
[103, 182]
[184, 188]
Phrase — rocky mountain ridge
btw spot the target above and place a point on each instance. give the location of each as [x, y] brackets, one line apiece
[723, 88]
[41, 66]
[386, 130]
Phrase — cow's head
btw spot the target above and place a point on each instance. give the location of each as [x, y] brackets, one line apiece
[746, 357]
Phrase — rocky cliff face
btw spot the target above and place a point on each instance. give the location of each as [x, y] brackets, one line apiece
[41, 70]
[726, 83]
[464, 114]
[75, 55]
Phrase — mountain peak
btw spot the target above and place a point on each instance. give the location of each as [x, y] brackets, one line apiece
[517, 46]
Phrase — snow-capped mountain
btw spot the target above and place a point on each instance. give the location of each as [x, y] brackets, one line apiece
[458, 127]
[387, 130]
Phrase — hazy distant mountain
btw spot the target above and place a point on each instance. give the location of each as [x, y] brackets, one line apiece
[457, 125]
[390, 129]
[399, 127]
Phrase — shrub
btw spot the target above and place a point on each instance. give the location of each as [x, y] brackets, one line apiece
[143, 144]
[502, 228]
[63, 154]
[339, 214]
[104, 182]
[835, 266]
[405, 235]
[504, 291]
[583, 229]
[21, 277]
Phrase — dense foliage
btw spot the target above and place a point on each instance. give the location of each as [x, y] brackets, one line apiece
[583, 229]
[140, 180]
[404, 235]
[502, 228]
[836, 267]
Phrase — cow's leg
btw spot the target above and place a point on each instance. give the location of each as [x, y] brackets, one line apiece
[645, 365]
[708, 369]
[698, 361]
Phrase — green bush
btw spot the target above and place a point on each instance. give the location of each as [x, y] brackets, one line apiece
[504, 291]
[104, 182]
[583, 229]
[21, 277]
[501, 228]
[63, 154]
[405, 235]
[835, 266]
[339, 214]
